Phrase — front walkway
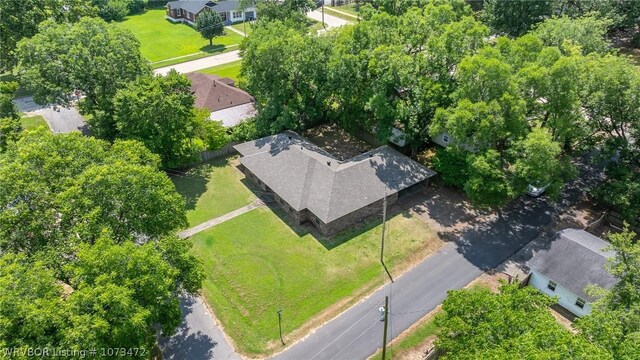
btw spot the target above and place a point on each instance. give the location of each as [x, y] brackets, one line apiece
[220, 219]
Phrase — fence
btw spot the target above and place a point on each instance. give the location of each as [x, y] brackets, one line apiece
[617, 220]
[222, 152]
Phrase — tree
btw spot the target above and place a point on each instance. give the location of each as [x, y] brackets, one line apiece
[60, 190]
[158, 111]
[488, 185]
[291, 12]
[110, 295]
[512, 324]
[588, 32]
[284, 69]
[515, 17]
[20, 20]
[114, 10]
[209, 24]
[9, 118]
[614, 322]
[90, 56]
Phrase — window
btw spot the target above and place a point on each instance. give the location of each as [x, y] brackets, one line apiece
[552, 285]
[580, 303]
[237, 14]
[445, 138]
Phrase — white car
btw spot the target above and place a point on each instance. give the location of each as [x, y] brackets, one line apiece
[536, 188]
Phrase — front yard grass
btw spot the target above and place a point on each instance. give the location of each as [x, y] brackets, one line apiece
[161, 39]
[230, 70]
[242, 26]
[212, 189]
[33, 122]
[330, 11]
[256, 264]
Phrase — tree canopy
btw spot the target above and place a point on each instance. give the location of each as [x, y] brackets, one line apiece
[9, 117]
[512, 324]
[91, 57]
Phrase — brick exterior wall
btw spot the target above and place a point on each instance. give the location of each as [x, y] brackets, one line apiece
[298, 217]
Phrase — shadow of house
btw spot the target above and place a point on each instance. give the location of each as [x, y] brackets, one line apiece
[311, 186]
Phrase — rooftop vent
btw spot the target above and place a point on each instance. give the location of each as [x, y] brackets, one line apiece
[329, 163]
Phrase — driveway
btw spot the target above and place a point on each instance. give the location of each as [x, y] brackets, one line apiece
[200, 64]
[331, 21]
[198, 336]
[481, 246]
[60, 120]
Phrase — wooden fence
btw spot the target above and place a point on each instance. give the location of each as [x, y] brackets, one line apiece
[220, 153]
[617, 220]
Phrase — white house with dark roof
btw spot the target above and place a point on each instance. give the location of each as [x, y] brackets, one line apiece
[574, 260]
[312, 186]
[187, 11]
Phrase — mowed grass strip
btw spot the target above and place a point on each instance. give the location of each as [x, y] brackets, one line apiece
[256, 264]
[230, 70]
[161, 39]
[212, 189]
[33, 122]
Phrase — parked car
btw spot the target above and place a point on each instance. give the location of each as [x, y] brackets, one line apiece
[536, 188]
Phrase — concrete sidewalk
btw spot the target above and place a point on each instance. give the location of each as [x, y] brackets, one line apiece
[331, 21]
[199, 64]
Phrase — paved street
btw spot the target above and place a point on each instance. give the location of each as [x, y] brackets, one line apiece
[200, 64]
[198, 336]
[357, 333]
[331, 21]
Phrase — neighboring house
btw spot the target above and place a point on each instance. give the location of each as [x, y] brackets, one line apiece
[443, 139]
[312, 186]
[574, 260]
[188, 10]
[226, 102]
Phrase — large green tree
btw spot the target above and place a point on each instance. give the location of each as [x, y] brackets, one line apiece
[284, 69]
[515, 17]
[58, 190]
[589, 32]
[9, 117]
[20, 20]
[91, 57]
[158, 111]
[209, 24]
[512, 324]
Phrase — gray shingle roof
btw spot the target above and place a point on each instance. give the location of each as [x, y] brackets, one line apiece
[574, 260]
[195, 6]
[307, 177]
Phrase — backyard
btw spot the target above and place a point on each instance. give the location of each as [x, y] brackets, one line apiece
[212, 189]
[256, 264]
[161, 39]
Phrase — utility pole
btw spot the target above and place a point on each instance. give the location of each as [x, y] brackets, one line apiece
[384, 220]
[323, 24]
[384, 334]
[280, 325]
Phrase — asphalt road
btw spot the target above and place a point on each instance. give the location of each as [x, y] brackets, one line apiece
[357, 333]
[331, 21]
[198, 336]
[60, 120]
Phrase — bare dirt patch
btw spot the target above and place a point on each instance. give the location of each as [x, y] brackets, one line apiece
[337, 141]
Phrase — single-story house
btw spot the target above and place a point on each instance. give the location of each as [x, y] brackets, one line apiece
[188, 10]
[226, 102]
[312, 186]
[574, 259]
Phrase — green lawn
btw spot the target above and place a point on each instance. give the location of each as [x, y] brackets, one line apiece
[256, 264]
[348, 8]
[230, 70]
[161, 39]
[329, 11]
[33, 122]
[212, 189]
[243, 26]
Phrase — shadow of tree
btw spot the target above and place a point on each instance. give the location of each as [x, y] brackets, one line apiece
[186, 343]
[191, 183]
